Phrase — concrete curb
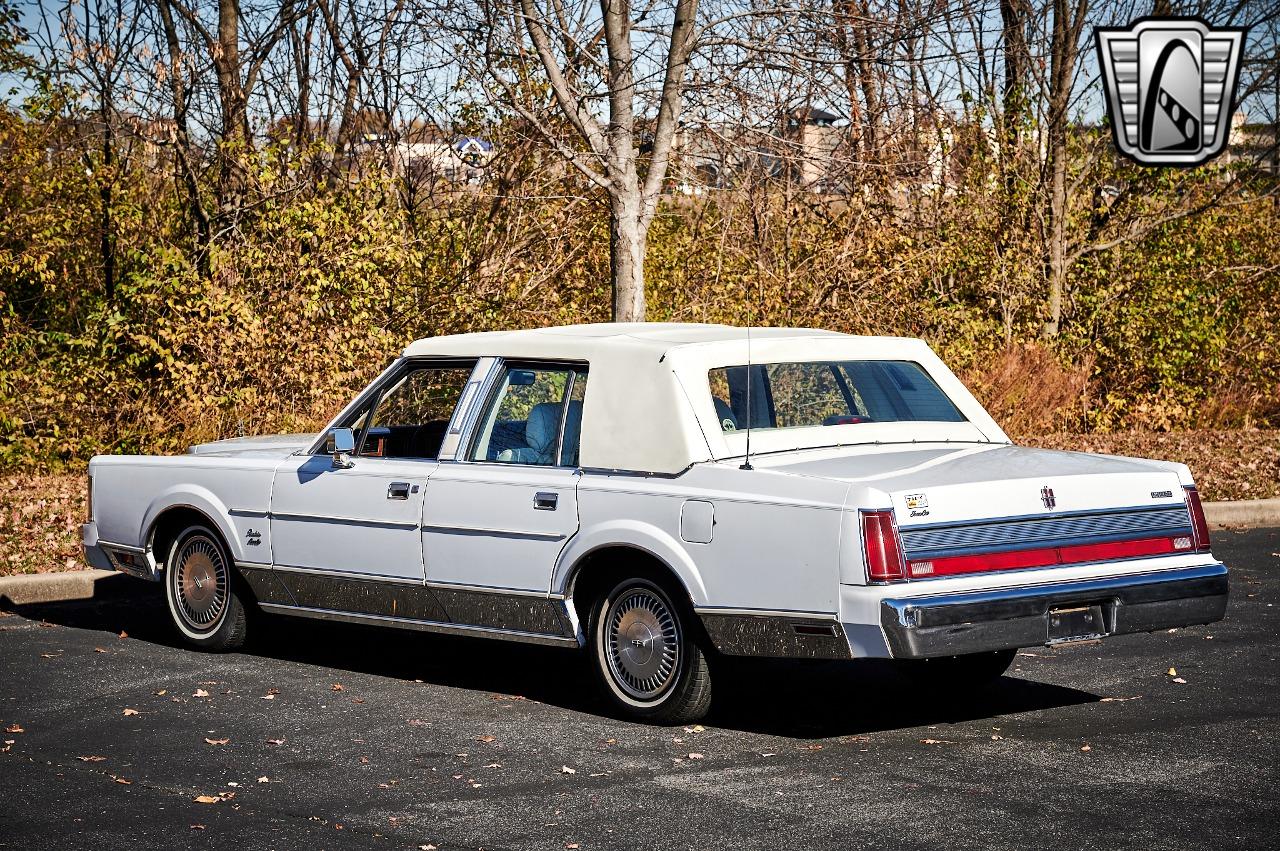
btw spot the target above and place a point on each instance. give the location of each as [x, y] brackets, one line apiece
[1243, 512]
[52, 587]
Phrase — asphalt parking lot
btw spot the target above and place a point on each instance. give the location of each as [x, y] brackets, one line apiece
[338, 736]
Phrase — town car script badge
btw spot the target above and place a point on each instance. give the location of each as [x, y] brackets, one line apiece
[1170, 86]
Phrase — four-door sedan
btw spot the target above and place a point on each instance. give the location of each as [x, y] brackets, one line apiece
[658, 494]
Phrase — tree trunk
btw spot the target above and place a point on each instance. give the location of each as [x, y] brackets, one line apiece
[627, 239]
[106, 178]
[1057, 236]
[182, 139]
[235, 113]
[1068, 21]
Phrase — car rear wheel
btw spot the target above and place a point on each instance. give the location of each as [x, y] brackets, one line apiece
[967, 669]
[201, 591]
[648, 659]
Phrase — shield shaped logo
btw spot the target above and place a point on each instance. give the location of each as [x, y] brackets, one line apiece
[1170, 86]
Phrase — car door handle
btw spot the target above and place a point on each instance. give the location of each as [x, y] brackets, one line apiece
[545, 500]
[398, 490]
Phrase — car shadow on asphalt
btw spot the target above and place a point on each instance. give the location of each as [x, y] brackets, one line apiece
[795, 699]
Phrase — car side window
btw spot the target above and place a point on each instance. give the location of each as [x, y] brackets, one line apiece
[413, 413]
[534, 418]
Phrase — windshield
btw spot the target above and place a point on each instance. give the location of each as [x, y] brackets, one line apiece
[824, 393]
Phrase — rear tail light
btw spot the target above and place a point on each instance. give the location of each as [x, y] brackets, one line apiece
[881, 547]
[1199, 526]
[89, 500]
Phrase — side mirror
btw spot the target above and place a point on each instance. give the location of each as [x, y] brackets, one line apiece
[340, 443]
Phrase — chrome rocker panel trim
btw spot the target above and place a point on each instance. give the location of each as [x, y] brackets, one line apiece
[974, 622]
[778, 635]
[425, 626]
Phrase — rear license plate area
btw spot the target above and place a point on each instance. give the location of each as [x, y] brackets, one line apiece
[1073, 623]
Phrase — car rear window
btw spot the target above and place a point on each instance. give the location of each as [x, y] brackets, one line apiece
[818, 393]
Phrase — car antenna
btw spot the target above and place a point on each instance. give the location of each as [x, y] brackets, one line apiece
[746, 461]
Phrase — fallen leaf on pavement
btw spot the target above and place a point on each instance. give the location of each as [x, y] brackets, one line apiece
[123, 634]
[14, 728]
[208, 741]
[1086, 748]
[91, 758]
[200, 693]
[264, 779]
[809, 748]
[121, 780]
[50, 655]
[275, 741]
[487, 739]
[338, 687]
[1119, 699]
[936, 742]
[197, 827]
[99, 650]
[1173, 672]
[131, 712]
[1180, 680]
[696, 756]
[564, 769]
[207, 799]
[162, 692]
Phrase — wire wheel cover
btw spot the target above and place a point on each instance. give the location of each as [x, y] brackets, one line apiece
[642, 643]
[201, 582]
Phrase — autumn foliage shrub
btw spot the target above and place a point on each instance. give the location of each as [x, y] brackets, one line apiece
[319, 279]
[1028, 390]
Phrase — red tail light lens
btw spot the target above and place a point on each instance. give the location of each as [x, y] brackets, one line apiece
[881, 547]
[1199, 526]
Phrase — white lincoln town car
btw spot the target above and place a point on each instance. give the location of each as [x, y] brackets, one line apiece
[660, 495]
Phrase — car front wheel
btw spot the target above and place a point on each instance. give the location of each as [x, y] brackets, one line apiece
[200, 589]
[649, 661]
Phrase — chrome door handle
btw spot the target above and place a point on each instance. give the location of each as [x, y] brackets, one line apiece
[398, 490]
[545, 500]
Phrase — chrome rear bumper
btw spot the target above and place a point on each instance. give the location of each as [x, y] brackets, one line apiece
[973, 622]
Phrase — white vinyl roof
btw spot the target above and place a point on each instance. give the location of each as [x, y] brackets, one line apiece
[648, 407]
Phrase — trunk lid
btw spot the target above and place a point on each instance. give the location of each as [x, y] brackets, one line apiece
[987, 508]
